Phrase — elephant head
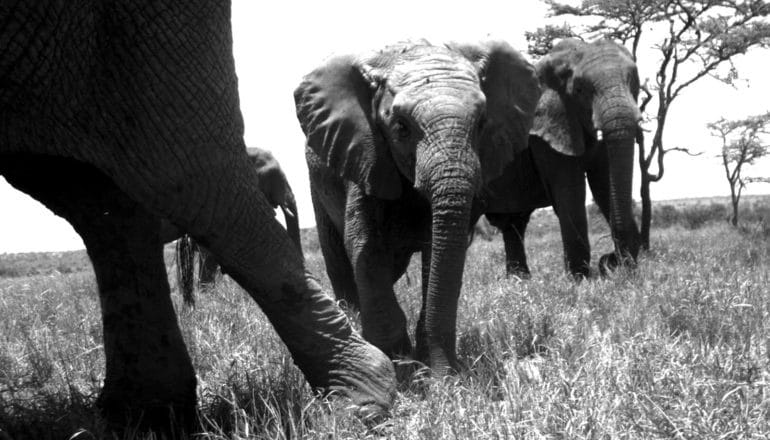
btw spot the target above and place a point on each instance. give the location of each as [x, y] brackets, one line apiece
[436, 121]
[275, 186]
[589, 97]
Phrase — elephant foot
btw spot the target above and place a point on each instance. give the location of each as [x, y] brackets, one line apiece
[518, 271]
[437, 358]
[579, 271]
[171, 418]
[335, 359]
[581, 275]
[412, 376]
[610, 262]
[387, 331]
[368, 382]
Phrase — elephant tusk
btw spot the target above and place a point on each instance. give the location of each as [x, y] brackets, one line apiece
[599, 135]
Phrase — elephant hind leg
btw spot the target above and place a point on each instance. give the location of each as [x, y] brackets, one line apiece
[149, 378]
[338, 266]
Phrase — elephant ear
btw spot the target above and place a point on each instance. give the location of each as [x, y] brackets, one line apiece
[511, 88]
[554, 122]
[334, 108]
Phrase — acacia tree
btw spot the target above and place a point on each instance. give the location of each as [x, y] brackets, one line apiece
[742, 144]
[693, 39]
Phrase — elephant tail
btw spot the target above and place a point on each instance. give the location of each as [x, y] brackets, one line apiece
[185, 267]
[291, 216]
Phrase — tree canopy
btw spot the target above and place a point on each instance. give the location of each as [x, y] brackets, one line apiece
[744, 141]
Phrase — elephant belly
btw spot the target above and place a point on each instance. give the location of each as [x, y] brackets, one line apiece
[518, 189]
[408, 220]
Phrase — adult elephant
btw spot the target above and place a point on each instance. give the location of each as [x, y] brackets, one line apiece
[115, 115]
[273, 183]
[399, 142]
[585, 126]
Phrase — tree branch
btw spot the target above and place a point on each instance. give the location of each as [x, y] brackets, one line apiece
[683, 150]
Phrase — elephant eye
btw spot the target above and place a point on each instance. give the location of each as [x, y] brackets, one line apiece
[401, 129]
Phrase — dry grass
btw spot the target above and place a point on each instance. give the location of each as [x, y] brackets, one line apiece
[680, 348]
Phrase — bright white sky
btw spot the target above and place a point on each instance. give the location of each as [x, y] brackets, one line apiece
[277, 45]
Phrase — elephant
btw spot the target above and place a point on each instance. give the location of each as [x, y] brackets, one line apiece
[116, 115]
[585, 126]
[274, 185]
[398, 144]
[483, 229]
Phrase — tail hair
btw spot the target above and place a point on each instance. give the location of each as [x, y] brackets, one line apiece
[185, 268]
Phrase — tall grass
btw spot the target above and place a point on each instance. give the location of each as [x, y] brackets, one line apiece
[679, 348]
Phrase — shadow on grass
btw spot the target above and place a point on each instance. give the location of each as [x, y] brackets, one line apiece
[50, 415]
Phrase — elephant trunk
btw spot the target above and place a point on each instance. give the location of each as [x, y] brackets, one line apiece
[618, 122]
[624, 231]
[454, 177]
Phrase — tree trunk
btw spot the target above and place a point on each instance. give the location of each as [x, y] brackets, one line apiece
[735, 198]
[646, 211]
[734, 220]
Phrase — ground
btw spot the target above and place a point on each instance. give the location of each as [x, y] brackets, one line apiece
[678, 348]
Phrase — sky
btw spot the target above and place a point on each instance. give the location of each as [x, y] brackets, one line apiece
[275, 46]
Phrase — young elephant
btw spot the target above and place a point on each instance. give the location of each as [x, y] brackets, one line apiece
[272, 181]
[585, 125]
[399, 142]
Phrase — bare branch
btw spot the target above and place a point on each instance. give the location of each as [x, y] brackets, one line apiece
[683, 150]
[648, 97]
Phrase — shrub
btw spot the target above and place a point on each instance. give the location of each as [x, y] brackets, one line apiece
[693, 217]
[665, 216]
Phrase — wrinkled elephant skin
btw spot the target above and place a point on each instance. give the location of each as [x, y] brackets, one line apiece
[130, 110]
[274, 185]
[399, 143]
[585, 126]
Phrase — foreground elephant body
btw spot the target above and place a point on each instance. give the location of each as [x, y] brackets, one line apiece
[274, 185]
[585, 126]
[399, 143]
[130, 110]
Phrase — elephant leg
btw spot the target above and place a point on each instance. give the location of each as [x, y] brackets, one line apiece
[149, 378]
[569, 204]
[382, 320]
[513, 227]
[267, 264]
[564, 180]
[148, 366]
[338, 266]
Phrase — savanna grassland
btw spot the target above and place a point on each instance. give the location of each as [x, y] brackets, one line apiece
[678, 348]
